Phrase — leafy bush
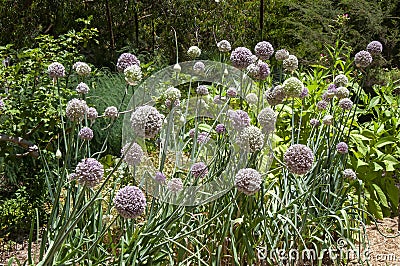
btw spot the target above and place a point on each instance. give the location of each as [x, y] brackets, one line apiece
[30, 116]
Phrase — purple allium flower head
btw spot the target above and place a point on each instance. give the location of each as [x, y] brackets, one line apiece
[177, 102]
[175, 185]
[241, 57]
[276, 95]
[252, 98]
[231, 92]
[314, 122]
[248, 181]
[56, 70]
[291, 63]
[133, 154]
[76, 110]
[362, 59]
[92, 113]
[172, 93]
[292, 87]
[219, 99]
[203, 138]
[264, 50]
[327, 96]
[82, 88]
[322, 105]
[332, 88]
[146, 121]
[125, 60]
[220, 128]
[350, 174]
[199, 170]
[202, 90]
[111, 112]
[304, 93]
[133, 74]
[346, 104]
[281, 54]
[192, 132]
[130, 202]
[342, 92]
[239, 119]
[224, 46]
[267, 119]
[340, 80]
[89, 172]
[252, 138]
[199, 67]
[374, 48]
[168, 103]
[342, 148]
[85, 133]
[159, 177]
[327, 120]
[258, 70]
[82, 69]
[194, 51]
[299, 159]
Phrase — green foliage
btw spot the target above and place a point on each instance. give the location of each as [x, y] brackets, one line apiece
[376, 150]
[146, 26]
[31, 112]
[16, 213]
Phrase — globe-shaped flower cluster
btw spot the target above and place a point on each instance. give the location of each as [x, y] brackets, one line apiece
[85, 133]
[224, 46]
[82, 69]
[264, 50]
[130, 202]
[248, 181]
[291, 63]
[56, 70]
[132, 153]
[299, 159]
[125, 60]
[76, 110]
[146, 121]
[267, 119]
[133, 74]
[241, 57]
[292, 87]
[363, 59]
[89, 172]
[252, 138]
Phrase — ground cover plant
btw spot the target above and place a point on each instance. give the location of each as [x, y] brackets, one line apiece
[251, 159]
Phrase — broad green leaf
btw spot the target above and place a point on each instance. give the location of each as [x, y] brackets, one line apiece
[381, 129]
[393, 193]
[375, 209]
[389, 99]
[368, 133]
[389, 165]
[374, 101]
[204, 127]
[390, 158]
[359, 137]
[377, 167]
[385, 141]
[361, 163]
[381, 195]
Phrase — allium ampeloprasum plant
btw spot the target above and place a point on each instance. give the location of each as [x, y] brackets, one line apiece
[209, 178]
